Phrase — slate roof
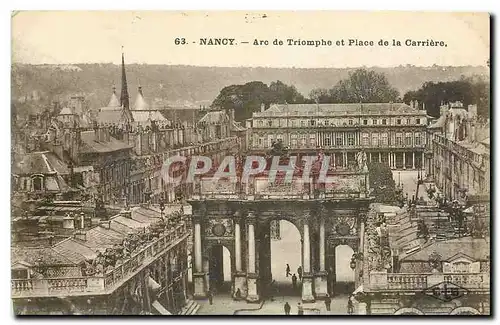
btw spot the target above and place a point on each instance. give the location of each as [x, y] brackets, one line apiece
[341, 109]
[42, 162]
[147, 116]
[476, 248]
[73, 251]
[217, 117]
[91, 146]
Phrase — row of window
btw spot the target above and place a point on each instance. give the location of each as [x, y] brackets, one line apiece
[313, 122]
[376, 139]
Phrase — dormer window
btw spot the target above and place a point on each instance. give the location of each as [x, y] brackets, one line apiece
[37, 183]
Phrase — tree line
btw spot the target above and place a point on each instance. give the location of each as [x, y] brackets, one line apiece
[361, 85]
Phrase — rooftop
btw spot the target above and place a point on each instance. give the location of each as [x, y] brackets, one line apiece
[341, 109]
[90, 145]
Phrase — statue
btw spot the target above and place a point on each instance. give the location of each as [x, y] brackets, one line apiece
[361, 160]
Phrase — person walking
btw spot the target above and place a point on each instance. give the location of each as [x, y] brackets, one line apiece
[328, 303]
[299, 272]
[294, 281]
[300, 309]
[287, 270]
[210, 297]
[287, 308]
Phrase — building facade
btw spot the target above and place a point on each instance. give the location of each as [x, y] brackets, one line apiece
[392, 133]
[459, 153]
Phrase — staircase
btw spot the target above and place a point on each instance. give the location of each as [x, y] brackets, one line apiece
[191, 308]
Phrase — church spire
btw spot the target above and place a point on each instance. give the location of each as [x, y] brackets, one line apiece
[124, 99]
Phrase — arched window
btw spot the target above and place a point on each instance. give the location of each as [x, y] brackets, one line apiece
[37, 183]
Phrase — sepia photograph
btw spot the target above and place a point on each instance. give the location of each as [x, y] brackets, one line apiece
[190, 163]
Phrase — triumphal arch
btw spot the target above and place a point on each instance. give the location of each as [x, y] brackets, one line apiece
[237, 215]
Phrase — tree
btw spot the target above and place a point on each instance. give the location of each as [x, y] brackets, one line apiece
[382, 183]
[362, 85]
[248, 98]
[471, 90]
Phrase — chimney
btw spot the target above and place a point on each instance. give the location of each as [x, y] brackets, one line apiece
[262, 107]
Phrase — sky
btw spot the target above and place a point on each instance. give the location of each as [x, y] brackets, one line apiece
[67, 37]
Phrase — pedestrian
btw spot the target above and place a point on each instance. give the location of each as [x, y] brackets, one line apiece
[287, 270]
[328, 303]
[300, 309]
[210, 297]
[299, 272]
[294, 281]
[287, 308]
[350, 307]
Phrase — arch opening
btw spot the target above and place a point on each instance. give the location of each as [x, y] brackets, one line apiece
[344, 274]
[219, 268]
[282, 246]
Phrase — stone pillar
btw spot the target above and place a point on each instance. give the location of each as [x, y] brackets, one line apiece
[239, 276]
[379, 157]
[307, 278]
[252, 275]
[199, 279]
[320, 281]
[370, 156]
[334, 165]
[404, 160]
[422, 161]
[413, 160]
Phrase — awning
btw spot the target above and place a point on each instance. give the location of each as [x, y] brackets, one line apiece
[160, 309]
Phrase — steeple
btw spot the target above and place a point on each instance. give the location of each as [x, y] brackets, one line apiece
[124, 99]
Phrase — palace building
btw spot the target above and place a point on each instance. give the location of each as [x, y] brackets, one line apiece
[392, 133]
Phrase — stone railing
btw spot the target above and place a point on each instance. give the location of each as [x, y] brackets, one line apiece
[98, 284]
[383, 281]
[345, 185]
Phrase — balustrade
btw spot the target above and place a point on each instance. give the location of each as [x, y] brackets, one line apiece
[417, 282]
[50, 286]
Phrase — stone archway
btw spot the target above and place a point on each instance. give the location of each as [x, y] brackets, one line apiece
[465, 311]
[408, 311]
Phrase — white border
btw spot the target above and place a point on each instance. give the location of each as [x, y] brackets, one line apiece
[7, 6]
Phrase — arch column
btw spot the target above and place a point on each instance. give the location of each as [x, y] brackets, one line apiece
[199, 276]
[252, 275]
[320, 280]
[307, 277]
[240, 281]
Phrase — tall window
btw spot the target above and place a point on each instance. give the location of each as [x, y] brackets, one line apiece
[261, 142]
[398, 121]
[327, 122]
[350, 139]
[384, 121]
[327, 142]
[375, 139]
[302, 123]
[417, 121]
[365, 122]
[374, 122]
[350, 122]
[383, 139]
[408, 121]
[418, 140]
[339, 140]
[270, 123]
[366, 139]
[408, 139]
[302, 140]
[312, 122]
[261, 123]
[399, 139]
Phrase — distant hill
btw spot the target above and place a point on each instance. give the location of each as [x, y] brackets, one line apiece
[163, 85]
